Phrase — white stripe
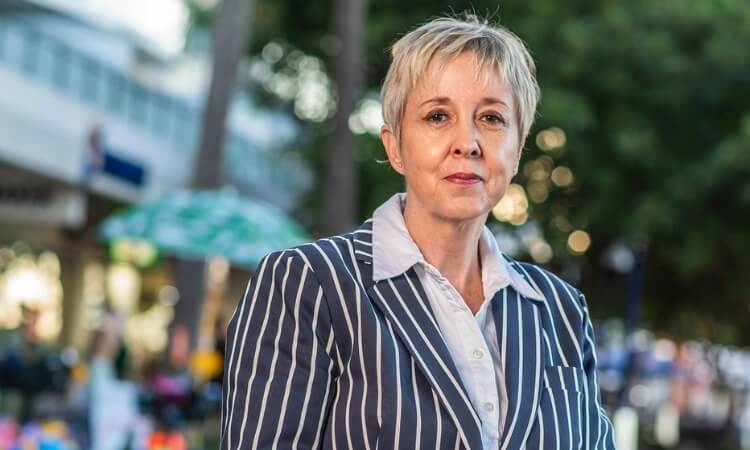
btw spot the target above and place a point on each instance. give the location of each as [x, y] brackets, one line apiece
[353, 260]
[567, 406]
[361, 242]
[586, 399]
[293, 365]
[554, 415]
[232, 387]
[439, 426]
[578, 406]
[304, 257]
[574, 300]
[313, 367]
[369, 255]
[504, 345]
[540, 425]
[365, 433]
[319, 434]
[602, 416]
[537, 379]
[520, 363]
[379, 363]
[547, 344]
[604, 438]
[335, 404]
[397, 352]
[588, 408]
[416, 402]
[336, 399]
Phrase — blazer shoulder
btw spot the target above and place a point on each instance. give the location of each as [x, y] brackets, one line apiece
[547, 283]
[323, 253]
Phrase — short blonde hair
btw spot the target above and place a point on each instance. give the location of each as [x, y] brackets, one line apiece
[444, 38]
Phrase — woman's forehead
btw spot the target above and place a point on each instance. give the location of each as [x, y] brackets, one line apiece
[460, 75]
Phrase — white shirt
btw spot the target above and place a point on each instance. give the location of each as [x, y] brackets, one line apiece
[471, 339]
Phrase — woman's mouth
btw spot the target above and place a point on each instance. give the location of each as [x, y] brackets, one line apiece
[464, 178]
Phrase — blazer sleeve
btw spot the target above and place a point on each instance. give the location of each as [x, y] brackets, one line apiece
[278, 371]
[598, 428]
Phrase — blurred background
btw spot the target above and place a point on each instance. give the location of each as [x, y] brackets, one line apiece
[152, 151]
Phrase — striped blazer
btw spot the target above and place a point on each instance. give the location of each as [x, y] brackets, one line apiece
[320, 356]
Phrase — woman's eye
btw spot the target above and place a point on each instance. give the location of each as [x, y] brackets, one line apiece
[494, 119]
[437, 117]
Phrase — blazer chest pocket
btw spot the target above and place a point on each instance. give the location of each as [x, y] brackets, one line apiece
[562, 405]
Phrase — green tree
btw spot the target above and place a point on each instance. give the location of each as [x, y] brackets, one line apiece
[653, 99]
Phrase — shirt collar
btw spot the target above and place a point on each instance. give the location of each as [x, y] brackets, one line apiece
[394, 252]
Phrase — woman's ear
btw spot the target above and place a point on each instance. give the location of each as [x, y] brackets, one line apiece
[392, 149]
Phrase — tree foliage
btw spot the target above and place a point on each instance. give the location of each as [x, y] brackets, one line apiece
[654, 101]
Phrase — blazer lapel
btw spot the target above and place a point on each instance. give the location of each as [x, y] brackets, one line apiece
[403, 301]
[519, 334]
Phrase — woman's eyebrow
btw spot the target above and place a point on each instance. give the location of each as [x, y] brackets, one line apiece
[438, 100]
[492, 100]
[446, 100]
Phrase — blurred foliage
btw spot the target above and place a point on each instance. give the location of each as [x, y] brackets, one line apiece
[654, 100]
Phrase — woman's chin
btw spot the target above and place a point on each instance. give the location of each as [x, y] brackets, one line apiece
[464, 209]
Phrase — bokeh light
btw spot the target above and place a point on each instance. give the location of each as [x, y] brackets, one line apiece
[541, 251]
[551, 139]
[32, 283]
[367, 117]
[578, 242]
[562, 176]
[513, 207]
[538, 192]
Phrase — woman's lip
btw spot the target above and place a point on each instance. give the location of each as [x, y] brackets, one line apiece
[464, 178]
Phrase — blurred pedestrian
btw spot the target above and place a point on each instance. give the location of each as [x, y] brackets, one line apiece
[113, 400]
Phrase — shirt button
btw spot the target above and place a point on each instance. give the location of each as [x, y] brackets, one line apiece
[477, 354]
[489, 407]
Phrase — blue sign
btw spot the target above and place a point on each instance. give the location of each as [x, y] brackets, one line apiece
[106, 161]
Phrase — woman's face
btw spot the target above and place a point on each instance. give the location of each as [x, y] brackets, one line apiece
[459, 143]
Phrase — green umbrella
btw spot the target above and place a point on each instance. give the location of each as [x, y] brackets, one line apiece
[201, 224]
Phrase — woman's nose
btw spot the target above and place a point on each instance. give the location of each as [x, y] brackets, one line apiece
[466, 141]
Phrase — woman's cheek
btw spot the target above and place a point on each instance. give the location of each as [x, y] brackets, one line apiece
[497, 187]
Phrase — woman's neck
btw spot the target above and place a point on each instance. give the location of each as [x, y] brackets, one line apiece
[451, 246]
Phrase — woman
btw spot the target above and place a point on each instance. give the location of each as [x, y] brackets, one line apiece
[415, 331]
